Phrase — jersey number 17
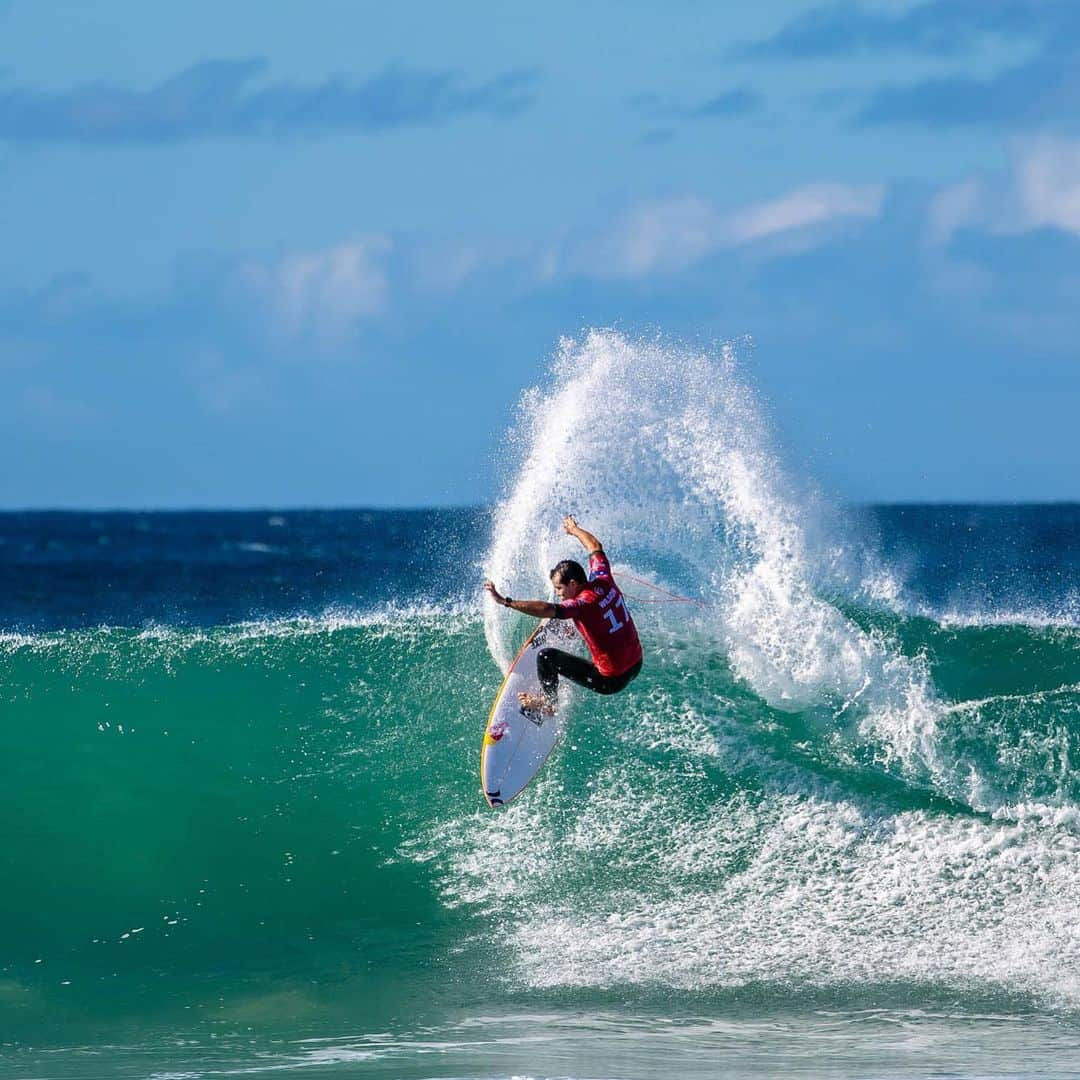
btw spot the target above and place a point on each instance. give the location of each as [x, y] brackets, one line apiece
[613, 618]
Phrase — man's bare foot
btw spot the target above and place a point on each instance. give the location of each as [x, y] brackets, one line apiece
[536, 703]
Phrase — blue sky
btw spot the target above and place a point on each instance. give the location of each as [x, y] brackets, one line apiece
[278, 254]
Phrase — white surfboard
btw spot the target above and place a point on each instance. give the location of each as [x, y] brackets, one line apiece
[517, 741]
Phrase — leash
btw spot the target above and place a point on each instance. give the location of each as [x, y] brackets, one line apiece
[671, 597]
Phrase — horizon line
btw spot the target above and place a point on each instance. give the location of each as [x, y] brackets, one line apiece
[481, 507]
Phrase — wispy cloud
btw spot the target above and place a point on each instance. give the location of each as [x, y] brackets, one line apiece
[1038, 91]
[668, 235]
[1043, 93]
[319, 295]
[665, 115]
[216, 98]
[804, 208]
[736, 102]
[1049, 185]
[953, 208]
[324, 297]
[942, 27]
[661, 236]
[1041, 192]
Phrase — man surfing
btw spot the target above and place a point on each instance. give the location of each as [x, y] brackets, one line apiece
[597, 608]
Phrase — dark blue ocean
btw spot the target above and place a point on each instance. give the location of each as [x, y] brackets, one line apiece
[66, 571]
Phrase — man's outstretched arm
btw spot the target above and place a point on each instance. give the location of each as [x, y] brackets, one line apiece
[538, 609]
[588, 541]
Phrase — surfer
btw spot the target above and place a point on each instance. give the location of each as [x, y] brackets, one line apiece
[597, 608]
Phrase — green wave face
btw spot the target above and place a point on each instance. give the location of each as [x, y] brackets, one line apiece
[208, 821]
[282, 823]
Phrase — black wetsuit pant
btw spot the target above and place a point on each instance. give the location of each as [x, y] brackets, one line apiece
[551, 663]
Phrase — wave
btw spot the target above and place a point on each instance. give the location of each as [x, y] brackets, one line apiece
[295, 794]
[812, 786]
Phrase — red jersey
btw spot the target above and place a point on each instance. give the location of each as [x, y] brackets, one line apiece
[600, 615]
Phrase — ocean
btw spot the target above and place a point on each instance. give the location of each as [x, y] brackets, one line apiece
[832, 830]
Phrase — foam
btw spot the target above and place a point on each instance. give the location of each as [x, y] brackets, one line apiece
[450, 617]
[783, 878]
[1063, 617]
[833, 896]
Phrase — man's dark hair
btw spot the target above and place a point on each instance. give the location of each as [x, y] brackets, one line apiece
[568, 570]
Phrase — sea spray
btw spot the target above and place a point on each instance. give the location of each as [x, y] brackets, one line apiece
[662, 451]
[786, 795]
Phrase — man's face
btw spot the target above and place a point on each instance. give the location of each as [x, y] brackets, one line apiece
[565, 590]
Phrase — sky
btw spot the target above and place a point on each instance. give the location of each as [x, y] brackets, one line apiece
[260, 254]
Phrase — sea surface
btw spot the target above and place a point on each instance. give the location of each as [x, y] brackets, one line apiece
[832, 830]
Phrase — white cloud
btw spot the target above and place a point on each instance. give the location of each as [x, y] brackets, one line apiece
[660, 237]
[322, 294]
[440, 266]
[668, 235]
[805, 207]
[1042, 191]
[1048, 185]
[955, 207]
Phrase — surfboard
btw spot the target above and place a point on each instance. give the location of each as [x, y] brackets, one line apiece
[517, 741]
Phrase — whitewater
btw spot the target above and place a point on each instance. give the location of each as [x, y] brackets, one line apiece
[832, 829]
